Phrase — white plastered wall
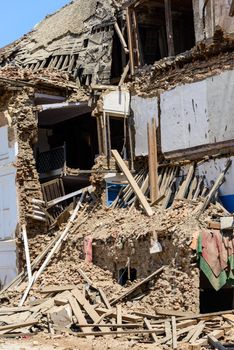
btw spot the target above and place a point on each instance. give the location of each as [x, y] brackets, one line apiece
[8, 207]
[144, 110]
[198, 114]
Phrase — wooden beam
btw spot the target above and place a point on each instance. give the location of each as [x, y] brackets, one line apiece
[132, 331]
[174, 333]
[130, 291]
[183, 190]
[215, 187]
[232, 9]
[27, 255]
[165, 312]
[79, 316]
[57, 289]
[124, 75]
[137, 38]
[68, 196]
[18, 325]
[130, 43]
[149, 327]
[169, 28]
[132, 183]
[126, 317]
[153, 161]
[121, 37]
[86, 306]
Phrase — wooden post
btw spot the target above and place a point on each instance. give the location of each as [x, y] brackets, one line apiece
[104, 134]
[99, 133]
[121, 37]
[169, 28]
[136, 35]
[153, 160]
[132, 183]
[130, 43]
[174, 333]
[232, 9]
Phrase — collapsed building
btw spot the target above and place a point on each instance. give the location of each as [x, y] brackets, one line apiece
[101, 76]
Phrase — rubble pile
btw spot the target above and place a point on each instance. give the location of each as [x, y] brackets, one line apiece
[80, 299]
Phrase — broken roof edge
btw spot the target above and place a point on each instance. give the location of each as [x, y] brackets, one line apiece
[19, 76]
[7, 48]
[201, 52]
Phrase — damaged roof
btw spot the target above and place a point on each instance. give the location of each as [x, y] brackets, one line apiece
[76, 39]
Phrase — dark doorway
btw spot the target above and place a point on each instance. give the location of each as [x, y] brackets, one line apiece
[212, 300]
[124, 276]
[117, 133]
[72, 143]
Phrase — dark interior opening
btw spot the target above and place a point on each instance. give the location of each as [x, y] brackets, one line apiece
[152, 29]
[72, 142]
[116, 67]
[212, 300]
[117, 126]
[124, 275]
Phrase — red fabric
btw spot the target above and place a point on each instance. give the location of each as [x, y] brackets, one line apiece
[214, 251]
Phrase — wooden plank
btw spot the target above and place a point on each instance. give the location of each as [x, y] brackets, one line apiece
[57, 289]
[185, 185]
[124, 74]
[13, 310]
[114, 333]
[228, 317]
[61, 239]
[199, 186]
[86, 278]
[26, 249]
[119, 314]
[136, 37]
[15, 326]
[79, 315]
[197, 333]
[86, 305]
[153, 160]
[174, 332]
[149, 327]
[144, 188]
[218, 333]
[104, 298]
[130, 42]
[193, 187]
[161, 311]
[207, 315]
[215, 187]
[121, 38]
[214, 225]
[125, 317]
[168, 331]
[131, 290]
[215, 343]
[191, 332]
[110, 325]
[186, 323]
[68, 196]
[169, 28]
[132, 183]
[231, 13]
